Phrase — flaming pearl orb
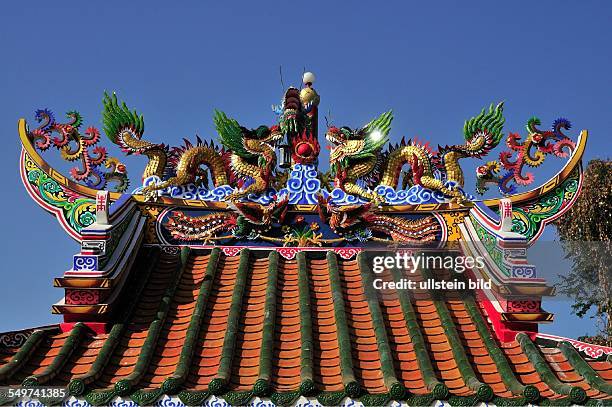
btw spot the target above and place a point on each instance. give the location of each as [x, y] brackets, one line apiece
[304, 150]
[308, 78]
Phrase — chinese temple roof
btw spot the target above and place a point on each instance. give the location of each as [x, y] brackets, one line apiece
[239, 273]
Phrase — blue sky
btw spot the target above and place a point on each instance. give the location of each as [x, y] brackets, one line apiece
[434, 63]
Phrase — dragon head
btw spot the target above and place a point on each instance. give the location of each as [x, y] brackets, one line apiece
[342, 218]
[363, 143]
[551, 141]
[345, 143]
[46, 117]
[339, 136]
[490, 173]
[260, 217]
[75, 119]
[269, 135]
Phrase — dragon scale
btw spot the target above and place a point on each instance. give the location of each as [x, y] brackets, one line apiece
[404, 155]
[189, 168]
[356, 154]
[156, 153]
[419, 159]
[260, 175]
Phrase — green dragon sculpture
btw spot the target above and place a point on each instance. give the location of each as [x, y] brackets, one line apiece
[247, 156]
[357, 156]
[252, 153]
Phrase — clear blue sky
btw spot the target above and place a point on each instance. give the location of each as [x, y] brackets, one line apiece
[434, 63]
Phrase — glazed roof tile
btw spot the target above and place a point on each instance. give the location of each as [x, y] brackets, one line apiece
[313, 325]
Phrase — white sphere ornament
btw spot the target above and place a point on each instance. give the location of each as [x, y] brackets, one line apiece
[308, 77]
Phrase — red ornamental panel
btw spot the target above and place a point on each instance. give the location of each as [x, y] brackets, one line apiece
[82, 297]
[523, 306]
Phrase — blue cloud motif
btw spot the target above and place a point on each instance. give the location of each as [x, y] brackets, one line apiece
[74, 402]
[216, 402]
[168, 401]
[123, 403]
[303, 185]
[30, 403]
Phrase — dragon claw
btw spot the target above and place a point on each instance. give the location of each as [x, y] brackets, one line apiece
[457, 200]
[377, 199]
[150, 193]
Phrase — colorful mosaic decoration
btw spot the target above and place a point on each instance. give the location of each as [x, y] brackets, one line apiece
[529, 219]
[74, 146]
[358, 155]
[246, 161]
[531, 153]
[263, 166]
[489, 241]
[76, 212]
[244, 164]
[252, 224]
[240, 272]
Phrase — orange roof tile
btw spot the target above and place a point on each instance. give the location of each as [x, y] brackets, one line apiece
[232, 330]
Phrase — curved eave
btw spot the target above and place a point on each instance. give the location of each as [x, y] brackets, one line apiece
[56, 175]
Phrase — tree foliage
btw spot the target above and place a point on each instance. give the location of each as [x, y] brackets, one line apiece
[585, 232]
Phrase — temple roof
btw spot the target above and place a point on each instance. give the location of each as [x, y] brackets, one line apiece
[238, 269]
[197, 322]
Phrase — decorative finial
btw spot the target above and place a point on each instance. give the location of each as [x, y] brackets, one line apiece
[308, 95]
[308, 78]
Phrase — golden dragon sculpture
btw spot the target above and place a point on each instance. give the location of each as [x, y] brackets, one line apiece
[246, 161]
[358, 162]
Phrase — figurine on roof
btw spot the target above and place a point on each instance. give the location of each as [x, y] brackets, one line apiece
[246, 160]
[298, 121]
[531, 153]
[238, 188]
[358, 161]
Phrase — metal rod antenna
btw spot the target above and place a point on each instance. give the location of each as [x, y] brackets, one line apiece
[280, 71]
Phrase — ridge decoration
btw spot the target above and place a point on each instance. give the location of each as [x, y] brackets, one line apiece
[251, 184]
[74, 146]
[532, 152]
[357, 155]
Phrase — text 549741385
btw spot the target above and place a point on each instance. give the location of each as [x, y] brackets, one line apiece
[33, 392]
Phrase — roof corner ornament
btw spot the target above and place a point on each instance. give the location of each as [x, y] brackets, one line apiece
[80, 147]
[531, 152]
